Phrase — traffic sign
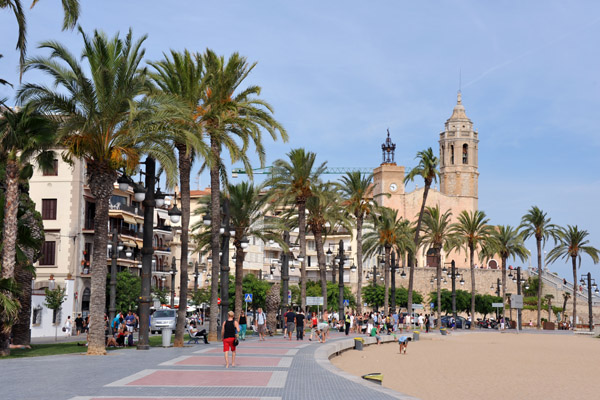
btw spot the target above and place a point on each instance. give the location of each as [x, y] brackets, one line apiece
[497, 305]
[346, 303]
[289, 296]
[218, 300]
[248, 298]
[416, 306]
[516, 301]
[432, 305]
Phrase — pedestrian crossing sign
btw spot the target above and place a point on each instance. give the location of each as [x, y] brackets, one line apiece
[248, 297]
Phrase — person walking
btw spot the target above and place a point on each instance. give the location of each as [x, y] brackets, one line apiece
[300, 325]
[68, 326]
[347, 321]
[79, 324]
[243, 325]
[290, 322]
[229, 332]
[314, 322]
[261, 321]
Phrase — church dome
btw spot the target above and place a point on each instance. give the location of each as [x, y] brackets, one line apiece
[458, 114]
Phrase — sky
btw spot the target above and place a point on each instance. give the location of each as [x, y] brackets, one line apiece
[339, 73]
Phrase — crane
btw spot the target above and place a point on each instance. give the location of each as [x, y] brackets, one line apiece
[329, 170]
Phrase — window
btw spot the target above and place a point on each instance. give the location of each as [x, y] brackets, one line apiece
[37, 315]
[311, 245]
[48, 208]
[52, 171]
[90, 212]
[48, 253]
[465, 154]
[443, 150]
[452, 154]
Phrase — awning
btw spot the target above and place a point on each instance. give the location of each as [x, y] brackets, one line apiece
[164, 214]
[129, 219]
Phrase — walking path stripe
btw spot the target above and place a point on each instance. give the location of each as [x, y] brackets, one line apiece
[170, 398]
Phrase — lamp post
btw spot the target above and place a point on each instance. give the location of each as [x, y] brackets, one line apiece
[462, 282]
[590, 285]
[226, 235]
[340, 258]
[498, 286]
[519, 282]
[285, 273]
[173, 273]
[196, 277]
[393, 267]
[114, 254]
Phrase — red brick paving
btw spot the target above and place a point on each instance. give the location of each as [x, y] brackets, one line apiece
[204, 378]
[252, 350]
[239, 361]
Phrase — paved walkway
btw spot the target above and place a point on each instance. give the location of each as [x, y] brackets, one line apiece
[273, 369]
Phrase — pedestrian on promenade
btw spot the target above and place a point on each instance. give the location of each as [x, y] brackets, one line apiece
[243, 325]
[67, 328]
[79, 324]
[348, 322]
[300, 325]
[130, 321]
[427, 323]
[323, 328]
[290, 322]
[229, 332]
[261, 321]
[314, 322]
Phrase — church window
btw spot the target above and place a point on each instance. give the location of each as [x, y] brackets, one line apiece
[452, 154]
[443, 149]
[465, 155]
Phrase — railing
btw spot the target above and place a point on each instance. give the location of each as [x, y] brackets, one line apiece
[125, 207]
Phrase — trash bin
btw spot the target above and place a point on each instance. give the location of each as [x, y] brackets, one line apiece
[358, 343]
[415, 336]
[166, 337]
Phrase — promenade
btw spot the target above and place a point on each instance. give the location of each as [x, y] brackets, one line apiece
[273, 369]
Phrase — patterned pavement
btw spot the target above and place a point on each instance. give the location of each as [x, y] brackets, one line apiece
[268, 370]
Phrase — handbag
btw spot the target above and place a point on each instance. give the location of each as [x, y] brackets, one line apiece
[236, 342]
[64, 329]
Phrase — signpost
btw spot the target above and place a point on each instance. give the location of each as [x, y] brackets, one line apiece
[314, 301]
[417, 306]
[247, 299]
[516, 301]
[346, 303]
[497, 305]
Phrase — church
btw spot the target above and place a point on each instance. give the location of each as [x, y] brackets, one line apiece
[459, 175]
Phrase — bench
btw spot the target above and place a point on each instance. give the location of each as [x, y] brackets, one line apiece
[199, 335]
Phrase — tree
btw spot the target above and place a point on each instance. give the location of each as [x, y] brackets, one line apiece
[54, 300]
[507, 243]
[463, 300]
[161, 295]
[483, 303]
[537, 224]
[272, 302]
[549, 298]
[473, 232]
[566, 297]
[227, 115]
[374, 295]
[9, 312]
[71, 15]
[357, 190]
[427, 168]
[572, 243]
[258, 288]
[129, 288]
[292, 183]
[437, 235]
[105, 121]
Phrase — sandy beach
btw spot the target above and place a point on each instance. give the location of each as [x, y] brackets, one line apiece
[488, 365]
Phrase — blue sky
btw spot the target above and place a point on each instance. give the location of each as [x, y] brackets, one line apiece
[340, 73]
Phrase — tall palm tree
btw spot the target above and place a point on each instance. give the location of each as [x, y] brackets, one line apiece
[104, 121]
[566, 297]
[292, 182]
[71, 15]
[25, 135]
[228, 113]
[437, 235]
[573, 243]
[473, 232]
[325, 215]
[387, 230]
[536, 223]
[427, 168]
[357, 190]
[182, 76]
[508, 243]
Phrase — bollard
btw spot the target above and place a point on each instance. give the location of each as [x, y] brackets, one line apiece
[166, 337]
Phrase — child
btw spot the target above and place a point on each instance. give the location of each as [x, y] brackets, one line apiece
[374, 334]
[403, 342]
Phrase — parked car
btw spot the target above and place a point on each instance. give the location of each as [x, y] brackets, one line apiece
[461, 323]
[163, 318]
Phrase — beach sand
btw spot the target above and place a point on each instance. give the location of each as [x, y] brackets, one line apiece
[487, 365]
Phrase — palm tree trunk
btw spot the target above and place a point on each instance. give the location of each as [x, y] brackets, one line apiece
[439, 289]
[412, 257]
[318, 234]
[386, 279]
[359, 262]
[503, 283]
[100, 179]
[574, 261]
[11, 208]
[21, 331]
[239, 276]
[302, 236]
[471, 255]
[215, 202]
[539, 291]
[185, 166]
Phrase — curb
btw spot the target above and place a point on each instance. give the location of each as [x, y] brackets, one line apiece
[329, 350]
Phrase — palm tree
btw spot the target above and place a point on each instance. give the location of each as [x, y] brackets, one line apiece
[25, 135]
[428, 170]
[105, 122]
[537, 224]
[566, 297]
[508, 243]
[437, 235]
[357, 190]
[227, 114]
[182, 76]
[572, 243]
[387, 231]
[71, 15]
[292, 183]
[325, 215]
[473, 232]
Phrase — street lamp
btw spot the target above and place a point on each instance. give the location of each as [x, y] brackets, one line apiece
[341, 259]
[393, 268]
[590, 285]
[453, 276]
[173, 272]
[113, 248]
[285, 274]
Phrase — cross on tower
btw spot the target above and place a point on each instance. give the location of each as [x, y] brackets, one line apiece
[388, 148]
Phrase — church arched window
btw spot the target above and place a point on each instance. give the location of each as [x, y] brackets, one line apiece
[443, 150]
[465, 154]
[452, 154]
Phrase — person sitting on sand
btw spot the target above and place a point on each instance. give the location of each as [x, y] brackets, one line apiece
[403, 342]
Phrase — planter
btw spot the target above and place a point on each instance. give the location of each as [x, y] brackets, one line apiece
[548, 326]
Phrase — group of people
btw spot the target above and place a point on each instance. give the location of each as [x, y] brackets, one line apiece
[81, 325]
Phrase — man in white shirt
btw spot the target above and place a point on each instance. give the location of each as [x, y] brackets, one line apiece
[261, 321]
[421, 321]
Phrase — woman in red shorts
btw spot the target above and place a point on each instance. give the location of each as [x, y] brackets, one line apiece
[229, 332]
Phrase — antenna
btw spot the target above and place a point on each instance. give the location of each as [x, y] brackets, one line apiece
[459, 79]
